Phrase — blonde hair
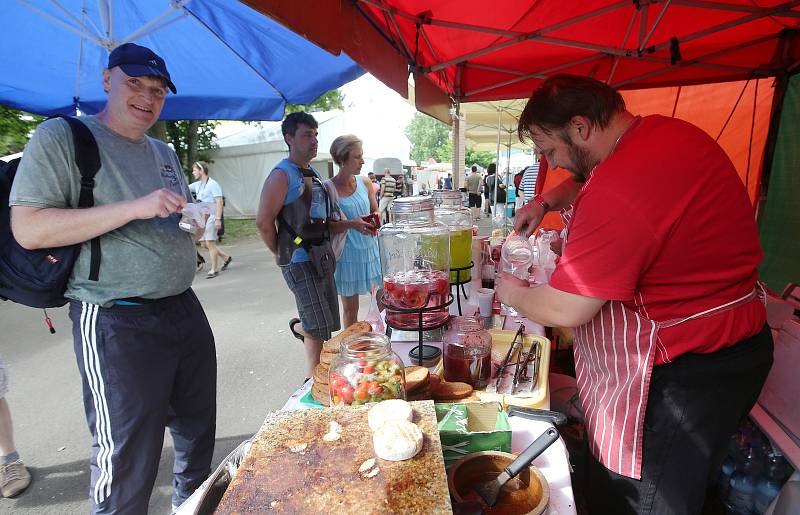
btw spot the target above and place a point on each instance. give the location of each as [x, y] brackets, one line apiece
[202, 165]
[342, 146]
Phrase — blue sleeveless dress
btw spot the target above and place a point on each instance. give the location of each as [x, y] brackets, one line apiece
[359, 266]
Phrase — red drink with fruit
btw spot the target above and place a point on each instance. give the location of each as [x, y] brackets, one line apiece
[416, 289]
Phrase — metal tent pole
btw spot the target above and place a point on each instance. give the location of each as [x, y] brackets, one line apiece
[497, 166]
[508, 181]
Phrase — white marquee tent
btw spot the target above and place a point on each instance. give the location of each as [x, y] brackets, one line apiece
[247, 153]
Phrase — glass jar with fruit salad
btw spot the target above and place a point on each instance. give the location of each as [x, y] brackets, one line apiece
[366, 370]
[450, 210]
[415, 264]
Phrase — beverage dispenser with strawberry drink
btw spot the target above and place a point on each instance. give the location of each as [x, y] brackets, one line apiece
[415, 263]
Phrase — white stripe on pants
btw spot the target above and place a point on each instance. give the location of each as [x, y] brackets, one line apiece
[94, 376]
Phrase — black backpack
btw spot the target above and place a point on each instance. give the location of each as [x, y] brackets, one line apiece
[38, 278]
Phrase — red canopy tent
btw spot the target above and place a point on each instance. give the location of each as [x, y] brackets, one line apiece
[471, 50]
[466, 51]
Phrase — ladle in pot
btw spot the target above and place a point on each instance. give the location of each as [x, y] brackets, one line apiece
[489, 491]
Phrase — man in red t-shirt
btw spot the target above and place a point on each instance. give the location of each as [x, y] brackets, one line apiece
[658, 276]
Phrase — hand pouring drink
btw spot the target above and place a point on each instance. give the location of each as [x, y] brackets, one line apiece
[516, 258]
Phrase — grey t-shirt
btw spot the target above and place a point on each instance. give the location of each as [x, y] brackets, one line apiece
[143, 258]
[474, 183]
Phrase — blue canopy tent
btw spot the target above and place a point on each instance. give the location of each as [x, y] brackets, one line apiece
[228, 61]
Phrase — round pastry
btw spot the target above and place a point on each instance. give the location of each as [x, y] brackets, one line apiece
[391, 409]
[397, 440]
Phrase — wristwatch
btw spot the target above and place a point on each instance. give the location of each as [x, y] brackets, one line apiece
[541, 201]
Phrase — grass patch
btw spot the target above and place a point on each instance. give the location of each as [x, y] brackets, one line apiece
[240, 228]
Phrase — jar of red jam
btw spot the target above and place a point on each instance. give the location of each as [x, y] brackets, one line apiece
[467, 352]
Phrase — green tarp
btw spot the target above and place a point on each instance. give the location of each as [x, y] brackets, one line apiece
[780, 223]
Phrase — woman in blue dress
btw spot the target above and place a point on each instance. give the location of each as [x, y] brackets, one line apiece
[358, 267]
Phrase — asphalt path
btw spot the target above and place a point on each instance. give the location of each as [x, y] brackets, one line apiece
[259, 365]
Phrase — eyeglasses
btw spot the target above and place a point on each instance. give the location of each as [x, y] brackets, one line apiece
[139, 87]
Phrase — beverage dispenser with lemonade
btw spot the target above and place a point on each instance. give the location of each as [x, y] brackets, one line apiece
[415, 264]
[450, 210]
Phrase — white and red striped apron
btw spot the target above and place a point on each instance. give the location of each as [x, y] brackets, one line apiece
[614, 355]
[613, 361]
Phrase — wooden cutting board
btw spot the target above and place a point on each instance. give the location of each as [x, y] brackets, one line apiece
[291, 469]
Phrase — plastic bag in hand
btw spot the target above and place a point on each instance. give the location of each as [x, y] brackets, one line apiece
[547, 258]
[517, 256]
[195, 215]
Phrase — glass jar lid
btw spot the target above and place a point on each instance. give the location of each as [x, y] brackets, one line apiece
[365, 346]
[446, 198]
[416, 204]
[429, 353]
[466, 323]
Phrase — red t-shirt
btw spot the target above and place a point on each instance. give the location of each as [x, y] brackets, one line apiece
[665, 225]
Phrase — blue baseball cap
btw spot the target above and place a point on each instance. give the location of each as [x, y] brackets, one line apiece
[139, 61]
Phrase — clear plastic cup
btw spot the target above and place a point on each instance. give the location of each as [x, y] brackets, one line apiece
[485, 300]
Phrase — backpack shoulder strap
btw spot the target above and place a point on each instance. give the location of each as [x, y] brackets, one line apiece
[87, 157]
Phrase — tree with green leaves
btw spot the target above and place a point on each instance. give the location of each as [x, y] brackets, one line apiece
[192, 139]
[480, 158]
[429, 138]
[327, 102]
[16, 128]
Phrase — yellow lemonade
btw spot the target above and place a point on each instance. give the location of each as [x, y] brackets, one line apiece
[460, 254]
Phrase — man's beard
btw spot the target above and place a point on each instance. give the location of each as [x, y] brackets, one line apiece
[581, 162]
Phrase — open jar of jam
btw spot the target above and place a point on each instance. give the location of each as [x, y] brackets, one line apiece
[467, 352]
[366, 370]
[415, 263]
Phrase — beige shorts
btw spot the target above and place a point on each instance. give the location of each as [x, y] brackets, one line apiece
[385, 204]
[3, 378]
[210, 233]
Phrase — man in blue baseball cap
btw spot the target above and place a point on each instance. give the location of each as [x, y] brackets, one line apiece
[139, 61]
[143, 345]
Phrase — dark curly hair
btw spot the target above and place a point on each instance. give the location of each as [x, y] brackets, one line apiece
[559, 98]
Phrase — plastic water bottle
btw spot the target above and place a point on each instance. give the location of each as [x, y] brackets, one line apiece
[769, 484]
[319, 204]
[726, 471]
[743, 484]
